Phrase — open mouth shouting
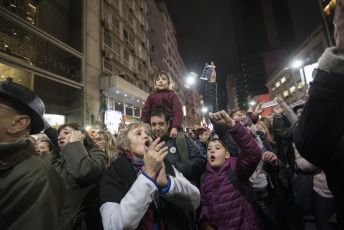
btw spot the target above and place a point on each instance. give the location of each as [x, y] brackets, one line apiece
[212, 158]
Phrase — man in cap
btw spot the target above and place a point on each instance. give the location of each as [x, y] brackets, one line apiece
[31, 191]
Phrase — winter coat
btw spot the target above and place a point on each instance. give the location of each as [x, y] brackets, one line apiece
[169, 101]
[31, 191]
[81, 171]
[222, 205]
[319, 135]
[125, 197]
[192, 168]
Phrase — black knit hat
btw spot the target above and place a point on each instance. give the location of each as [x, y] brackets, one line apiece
[25, 100]
[295, 108]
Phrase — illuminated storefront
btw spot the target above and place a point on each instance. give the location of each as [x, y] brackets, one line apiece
[40, 49]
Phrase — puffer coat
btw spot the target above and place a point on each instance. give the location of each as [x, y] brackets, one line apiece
[222, 204]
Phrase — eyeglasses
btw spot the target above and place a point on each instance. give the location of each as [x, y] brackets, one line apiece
[98, 139]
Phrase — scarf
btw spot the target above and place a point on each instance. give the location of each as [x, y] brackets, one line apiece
[151, 219]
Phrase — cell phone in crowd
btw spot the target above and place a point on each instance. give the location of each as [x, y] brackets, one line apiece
[269, 104]
[207, 73]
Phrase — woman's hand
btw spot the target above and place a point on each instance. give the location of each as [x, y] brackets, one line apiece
[173, 133]
[154, 159]
[270, 157]
[77, 136]
[222, 118]
[161, 179]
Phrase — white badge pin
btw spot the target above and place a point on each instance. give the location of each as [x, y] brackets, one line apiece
[173, 150]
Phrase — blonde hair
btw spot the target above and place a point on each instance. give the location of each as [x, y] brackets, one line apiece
[123, 141]
[110, 143]
[265, 122]
[163, 73]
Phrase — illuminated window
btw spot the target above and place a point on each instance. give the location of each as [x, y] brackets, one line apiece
[273, 88]
[292, 89]
[283, 79]
[277, 84]
[299, 84]
[285, 93]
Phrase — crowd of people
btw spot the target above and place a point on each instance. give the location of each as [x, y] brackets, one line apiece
[250, 172]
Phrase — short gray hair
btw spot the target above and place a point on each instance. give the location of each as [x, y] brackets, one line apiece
[123, 141]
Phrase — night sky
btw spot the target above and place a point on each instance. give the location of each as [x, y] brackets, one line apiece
[204, 34]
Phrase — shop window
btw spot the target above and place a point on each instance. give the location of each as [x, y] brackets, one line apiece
[129, 109]
[119, 106]
[137, 111]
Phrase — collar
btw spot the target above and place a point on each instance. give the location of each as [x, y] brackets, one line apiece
[12, 153]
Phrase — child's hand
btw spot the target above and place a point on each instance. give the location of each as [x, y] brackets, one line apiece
[173, 133]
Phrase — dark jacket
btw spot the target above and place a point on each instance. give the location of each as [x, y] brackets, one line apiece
[31, 192]
[211, 99]
[117, 181]
[192, 168]
[81, 171]
[202, 147]
[168, 100]
[319, 136]
[223, 205]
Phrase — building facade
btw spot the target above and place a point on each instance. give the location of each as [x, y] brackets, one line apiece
[42, 48]
[289, 79]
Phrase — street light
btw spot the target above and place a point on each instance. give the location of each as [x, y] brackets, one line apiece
[297, 64]
[204, 110]
[252, 103]
[190, 80]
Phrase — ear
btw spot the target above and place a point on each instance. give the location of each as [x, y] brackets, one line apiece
[19, 124]
[227, 155]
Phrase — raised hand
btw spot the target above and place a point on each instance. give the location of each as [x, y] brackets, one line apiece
[258, 110]
[154, 158]
[222, 118]
[279, 99]
[77, 136]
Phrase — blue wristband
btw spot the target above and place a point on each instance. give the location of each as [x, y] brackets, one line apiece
[150, 179]
[165, 190]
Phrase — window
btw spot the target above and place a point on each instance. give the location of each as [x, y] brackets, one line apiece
[119, 106]
[283, 79]
[115, 24]
[285, 93]
[277, 84]
[299, 84]
[116, 48]
[129, 109]
[137, 112]
[107, 39]
[273, 88]
[292, 89]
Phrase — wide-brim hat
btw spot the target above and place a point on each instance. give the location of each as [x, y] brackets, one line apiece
[25, 100]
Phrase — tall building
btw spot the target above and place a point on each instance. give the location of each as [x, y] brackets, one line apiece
[42, 46]
[164, 56]
[124, 59]
[264, 37]
[89, 61]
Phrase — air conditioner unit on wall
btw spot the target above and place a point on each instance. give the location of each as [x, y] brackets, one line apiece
[107, 54]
